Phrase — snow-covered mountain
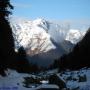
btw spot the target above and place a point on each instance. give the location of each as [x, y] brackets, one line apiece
[25, 30]
[31, 34]
[42, 37]
[74, 36]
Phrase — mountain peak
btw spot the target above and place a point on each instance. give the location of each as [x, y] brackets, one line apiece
[74, 36]
[41, 23]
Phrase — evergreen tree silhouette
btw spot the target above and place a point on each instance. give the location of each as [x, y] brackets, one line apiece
[22, 65]
[7, 54]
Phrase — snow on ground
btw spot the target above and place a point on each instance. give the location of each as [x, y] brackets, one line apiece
[52, 86]
[13, 81]
[75, 80]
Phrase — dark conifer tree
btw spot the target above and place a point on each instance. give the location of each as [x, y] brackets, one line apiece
[22, 65]
[6, 38]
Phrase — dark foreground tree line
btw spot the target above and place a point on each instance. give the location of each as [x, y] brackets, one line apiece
[78, 58]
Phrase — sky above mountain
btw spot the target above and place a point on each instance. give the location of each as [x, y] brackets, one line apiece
[53, 9]
[73, 11]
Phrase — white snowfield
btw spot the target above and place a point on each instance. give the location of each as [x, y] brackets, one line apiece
[14, 80]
